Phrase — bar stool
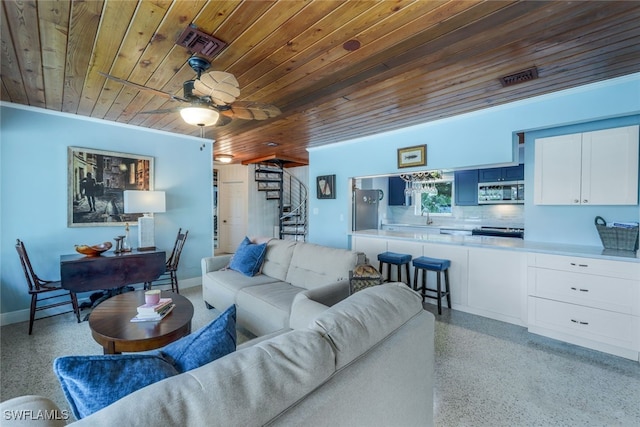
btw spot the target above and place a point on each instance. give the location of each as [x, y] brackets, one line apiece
[440, 266]
[392, 258]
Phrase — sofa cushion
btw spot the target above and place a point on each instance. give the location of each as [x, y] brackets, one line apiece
[209, 343]
[314, 265]
[277, 259]
[266, 308]
[93, 382]
[234, 281]
[30, 407]
[248, 258]
[357, 323]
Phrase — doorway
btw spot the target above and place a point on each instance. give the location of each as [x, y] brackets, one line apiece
[232, 219]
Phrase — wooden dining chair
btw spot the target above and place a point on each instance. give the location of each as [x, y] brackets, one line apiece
[170, 276]
[38, 287]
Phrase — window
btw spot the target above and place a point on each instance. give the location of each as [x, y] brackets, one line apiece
[435, 197]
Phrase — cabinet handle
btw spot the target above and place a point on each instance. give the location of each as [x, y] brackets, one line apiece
[576, 201]
[585, 201]
[579, 322]
[581, 289]
[579, 265]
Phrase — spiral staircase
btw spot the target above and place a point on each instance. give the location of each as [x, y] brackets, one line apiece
[278, 184]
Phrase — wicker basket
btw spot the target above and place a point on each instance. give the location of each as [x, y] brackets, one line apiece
[617, 237]
[362, 277]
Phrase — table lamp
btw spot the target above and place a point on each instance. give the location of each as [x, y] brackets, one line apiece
[147, 203]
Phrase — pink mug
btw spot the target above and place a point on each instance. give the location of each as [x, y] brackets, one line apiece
[152, 297]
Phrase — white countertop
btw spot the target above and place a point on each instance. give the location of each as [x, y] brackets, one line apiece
[505, 243]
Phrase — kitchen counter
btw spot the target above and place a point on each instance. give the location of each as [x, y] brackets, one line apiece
[504, 243]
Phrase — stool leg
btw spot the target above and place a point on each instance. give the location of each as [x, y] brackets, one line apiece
[415, 279]
[439, 295]
[424, 284]
[399, 270]
[408, 274]
[381, 271]
[446, 283]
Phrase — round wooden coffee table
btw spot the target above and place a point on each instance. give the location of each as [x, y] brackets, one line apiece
[111, 325]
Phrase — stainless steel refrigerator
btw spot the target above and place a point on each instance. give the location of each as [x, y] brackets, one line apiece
[365, 209]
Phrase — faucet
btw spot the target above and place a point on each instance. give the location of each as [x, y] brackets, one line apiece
[429, 220]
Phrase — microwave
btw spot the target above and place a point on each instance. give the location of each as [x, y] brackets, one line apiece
[503, 192]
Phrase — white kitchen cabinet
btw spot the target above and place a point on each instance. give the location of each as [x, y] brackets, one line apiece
[591, 168]
[590, 302]
[496, 286]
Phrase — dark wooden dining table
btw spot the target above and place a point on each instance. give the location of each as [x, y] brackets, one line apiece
[80, 273]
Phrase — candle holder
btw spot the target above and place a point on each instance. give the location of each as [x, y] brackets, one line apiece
[118, 248]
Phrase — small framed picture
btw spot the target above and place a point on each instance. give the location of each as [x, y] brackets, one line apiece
[412, 156]
[326, 186]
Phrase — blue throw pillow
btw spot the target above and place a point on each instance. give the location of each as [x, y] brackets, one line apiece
[248, 258]
[211, 342]
[92, 382]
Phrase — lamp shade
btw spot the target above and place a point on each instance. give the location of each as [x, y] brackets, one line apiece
[144, 201]
[200, 116]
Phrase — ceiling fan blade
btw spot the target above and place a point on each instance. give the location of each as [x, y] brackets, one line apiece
[143, 88]
[163, 111]
[248, 110]
[222, 87]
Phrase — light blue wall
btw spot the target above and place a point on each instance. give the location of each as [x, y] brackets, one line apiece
[33, 192]
[480, 138]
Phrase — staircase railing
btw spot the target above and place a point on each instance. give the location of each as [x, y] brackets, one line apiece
[293, 208]
[292, 195]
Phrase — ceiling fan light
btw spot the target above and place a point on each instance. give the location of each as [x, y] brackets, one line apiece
[200, 116]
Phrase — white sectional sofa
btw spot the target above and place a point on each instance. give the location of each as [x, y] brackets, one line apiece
[264, 301]
[366, 361]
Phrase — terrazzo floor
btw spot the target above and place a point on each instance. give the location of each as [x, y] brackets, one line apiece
[491, 373]
[487, 373]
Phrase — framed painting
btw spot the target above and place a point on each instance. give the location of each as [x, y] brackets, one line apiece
[96, 180]
[326, 186]
[412, 156]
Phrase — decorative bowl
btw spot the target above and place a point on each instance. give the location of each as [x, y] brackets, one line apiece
[94, 250]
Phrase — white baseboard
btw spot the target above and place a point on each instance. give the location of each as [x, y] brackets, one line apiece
[23, 315]
[191, 282]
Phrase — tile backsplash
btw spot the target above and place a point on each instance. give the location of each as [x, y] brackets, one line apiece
[486, 215]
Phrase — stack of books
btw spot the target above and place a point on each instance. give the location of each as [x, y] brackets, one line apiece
[154, 312]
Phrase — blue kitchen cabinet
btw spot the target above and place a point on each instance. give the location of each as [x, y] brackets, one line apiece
[466, 187]
[512, 173]
[396, 191]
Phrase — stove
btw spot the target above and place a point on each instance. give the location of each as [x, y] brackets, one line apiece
[517, 233]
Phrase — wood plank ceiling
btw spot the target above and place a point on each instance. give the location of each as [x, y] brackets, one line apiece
[417, 60]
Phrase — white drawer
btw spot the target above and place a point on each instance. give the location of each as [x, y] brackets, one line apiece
[620, 330]
[602, 267]
[608, 293]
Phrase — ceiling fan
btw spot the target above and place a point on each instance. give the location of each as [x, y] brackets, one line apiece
[211, 97]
